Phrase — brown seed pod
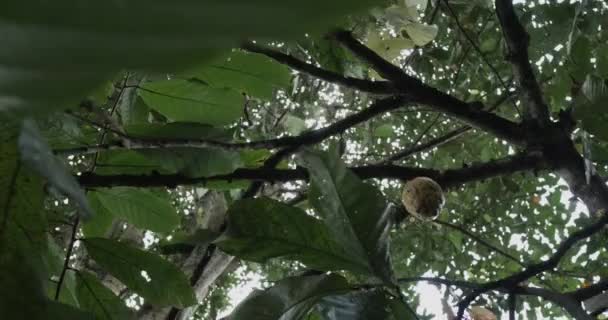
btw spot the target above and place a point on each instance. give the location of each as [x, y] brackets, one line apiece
[481, 313]
[423, 198]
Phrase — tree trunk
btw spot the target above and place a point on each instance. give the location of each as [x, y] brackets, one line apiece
[203, 266]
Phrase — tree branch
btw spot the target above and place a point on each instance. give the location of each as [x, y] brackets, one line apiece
[534, 269]
[590, 291]
[569, 304]
[68, 255]
[447, 178]
[441, 140]
[518, 40]
[377, 87]
[470, 113]
[478, 50]
[308, 138]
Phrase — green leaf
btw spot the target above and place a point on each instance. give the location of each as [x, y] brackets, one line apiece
[181, 242]
[99, 300]
[389, 49]
[253, 158]
[356, 212]
[102, 220]
[55, 257]
[56, 310]
[399, 16]
[60, 52]
[253, 74]
[23, 233]
[37, 154]
[140, 207]
[162, 283]
[290, 298]
[330, 55]
[294, 125]
[187, 101]
[384, 131]
[590, 109]
[125, 162]
[400, 310]
[421, 33]
[177, 130]
[194, 162]
[601, 54]
[136, 113]
[579, 51]
[287, 232]
[421, 4]
[456, 239]
[357, 305]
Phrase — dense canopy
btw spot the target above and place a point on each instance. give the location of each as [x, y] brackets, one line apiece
[155, 156]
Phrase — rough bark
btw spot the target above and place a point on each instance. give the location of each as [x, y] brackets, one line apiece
[202, 276]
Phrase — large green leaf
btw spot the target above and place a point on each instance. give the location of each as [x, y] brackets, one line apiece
[125, 162]
[57, 52]
[147, 274]
[177, 130]
[56, 310]
[290, 298]
[391, 48]
[260, 229]
[38, 156]
[191, 162]
[421, 33]
[181, 100]
[356, 212]
[99, 300]
[194, 162]
[141, 207]
[24, 272]
[253, 74]
[358, 305]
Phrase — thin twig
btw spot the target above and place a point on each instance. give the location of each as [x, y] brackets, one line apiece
[308, 138]
[74, 231]
[480, 241]
[479, 52]
[68, 255]
[441, 140]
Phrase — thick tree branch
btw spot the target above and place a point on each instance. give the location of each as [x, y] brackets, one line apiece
[470, 113]
[534, 269]
[518, 40]
[590, 291]
[561, 152]
[308, 138]
[377, 87]
[270, 163]
[447, 178]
